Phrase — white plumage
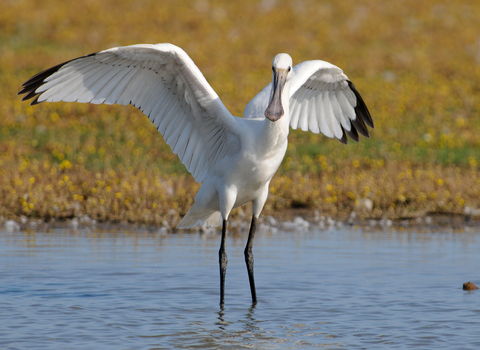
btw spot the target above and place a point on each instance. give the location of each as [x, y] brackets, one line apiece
[234, 158]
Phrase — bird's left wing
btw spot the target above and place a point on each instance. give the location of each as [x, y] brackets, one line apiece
[164, 83]
[322, 100]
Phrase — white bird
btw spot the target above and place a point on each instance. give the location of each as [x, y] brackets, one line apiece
[234, 158]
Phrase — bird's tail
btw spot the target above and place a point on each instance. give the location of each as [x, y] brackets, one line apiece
[197, 216]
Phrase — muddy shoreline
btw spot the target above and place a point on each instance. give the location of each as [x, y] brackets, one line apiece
[289, 220]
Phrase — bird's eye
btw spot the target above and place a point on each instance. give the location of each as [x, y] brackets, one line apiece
[289, 69]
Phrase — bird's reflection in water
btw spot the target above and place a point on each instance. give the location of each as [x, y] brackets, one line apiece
[250, 322]
[221, 321]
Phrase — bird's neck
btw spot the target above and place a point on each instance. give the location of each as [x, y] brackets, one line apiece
[271, 138]
[279, 130]
[275, 134]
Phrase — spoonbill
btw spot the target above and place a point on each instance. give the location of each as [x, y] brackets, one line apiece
[234, 158]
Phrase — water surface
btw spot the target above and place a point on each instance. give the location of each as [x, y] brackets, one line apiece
[341, 288]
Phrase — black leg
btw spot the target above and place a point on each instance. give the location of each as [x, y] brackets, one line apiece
[249, 258]
[223, 263]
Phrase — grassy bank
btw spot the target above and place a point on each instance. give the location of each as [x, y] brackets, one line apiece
[416, 64]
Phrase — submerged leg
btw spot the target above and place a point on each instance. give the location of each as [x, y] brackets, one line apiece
[249, 257]
[223, 263]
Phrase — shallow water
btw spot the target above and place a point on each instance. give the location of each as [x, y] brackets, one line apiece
[338, 289]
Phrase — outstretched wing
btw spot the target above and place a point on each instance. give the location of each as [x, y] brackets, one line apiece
[164, 83]
[322, 99]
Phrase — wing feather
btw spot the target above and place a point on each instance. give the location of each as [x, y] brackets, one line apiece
[118, 94]
[181, 144]
[353, 133]
[164, 111]
[332, 123]
[175, 111]
[103, 90]
[196, 157]
[296, 113]
[164, 83]
[321, 115]
[312, 120]
[150, 98]
[175, 135]
[361, 107]
[68, 73]
[303, 118]
[337, 110]
[95, 81]
[190, 149]
[155, 116]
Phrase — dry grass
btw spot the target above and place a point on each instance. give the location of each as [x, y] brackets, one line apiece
[416, 63]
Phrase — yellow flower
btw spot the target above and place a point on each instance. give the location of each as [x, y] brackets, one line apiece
[65, 165]
[54, 117]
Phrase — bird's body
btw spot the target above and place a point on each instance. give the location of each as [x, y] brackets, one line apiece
[244, 176]
[234, 158]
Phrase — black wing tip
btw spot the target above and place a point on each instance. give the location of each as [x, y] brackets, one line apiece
[360, 126]
[344, 138]
[353, 133]
[35, 101]
[363, 117]
[361, 107]
[31, 85]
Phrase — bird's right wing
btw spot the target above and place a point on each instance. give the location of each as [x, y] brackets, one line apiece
[164, 83]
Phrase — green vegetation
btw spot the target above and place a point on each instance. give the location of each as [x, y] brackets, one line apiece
[415, 62]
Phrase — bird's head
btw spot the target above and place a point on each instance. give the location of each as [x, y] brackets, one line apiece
[282, 72]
